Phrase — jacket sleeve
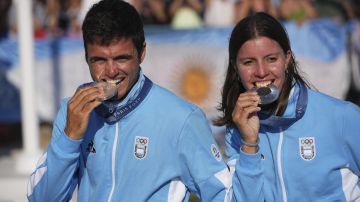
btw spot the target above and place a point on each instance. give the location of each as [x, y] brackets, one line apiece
[248, 178]
[204, 171]
[55, 176]
[351, 136]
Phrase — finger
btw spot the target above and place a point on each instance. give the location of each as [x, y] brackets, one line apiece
[245, 104]
[80, 93]
[82, 97]
[90, 106]
[251, 111]
[245, 113]
[88, 100]
[248, 96]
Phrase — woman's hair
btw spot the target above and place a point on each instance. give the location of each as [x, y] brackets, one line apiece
[258, 25]
[111, 20]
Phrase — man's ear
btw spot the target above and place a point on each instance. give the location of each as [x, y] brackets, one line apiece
[143, 53]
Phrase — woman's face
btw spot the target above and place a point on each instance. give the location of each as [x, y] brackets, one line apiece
[260, 62]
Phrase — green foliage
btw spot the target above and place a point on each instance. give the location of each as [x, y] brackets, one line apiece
[194, 198]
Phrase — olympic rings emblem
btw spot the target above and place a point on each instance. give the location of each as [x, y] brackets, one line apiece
[307, 141]
[141, 141]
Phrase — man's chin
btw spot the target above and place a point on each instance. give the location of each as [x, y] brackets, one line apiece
[118, 97]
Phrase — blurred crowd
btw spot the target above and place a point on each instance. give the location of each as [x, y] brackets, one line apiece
[52, 18]
[64, 17]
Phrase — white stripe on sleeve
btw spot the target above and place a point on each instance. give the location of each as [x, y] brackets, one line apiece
[37, 175]
[177, 191]
[35, 178]
[349, 185]
[225, 177]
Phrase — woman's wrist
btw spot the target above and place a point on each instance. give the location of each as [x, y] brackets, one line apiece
[250, 147]
[249, 150]
[250, 144]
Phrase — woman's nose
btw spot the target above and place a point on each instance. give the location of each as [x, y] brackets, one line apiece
[261, 70]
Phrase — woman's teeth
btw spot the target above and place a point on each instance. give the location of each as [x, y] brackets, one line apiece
[262, 84]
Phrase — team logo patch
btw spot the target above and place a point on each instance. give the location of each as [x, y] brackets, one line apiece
[307, 148]
[141, 145]
[216, 152]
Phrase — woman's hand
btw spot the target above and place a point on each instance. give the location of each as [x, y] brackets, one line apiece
[246, 119]
[79, 108]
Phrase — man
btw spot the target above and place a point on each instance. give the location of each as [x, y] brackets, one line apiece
[144, 144]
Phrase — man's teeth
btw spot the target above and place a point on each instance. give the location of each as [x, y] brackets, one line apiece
[114, 82]
[262, 84]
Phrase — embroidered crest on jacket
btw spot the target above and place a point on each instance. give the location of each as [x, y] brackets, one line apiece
[216, 152]
[141, 145]
[307, 148]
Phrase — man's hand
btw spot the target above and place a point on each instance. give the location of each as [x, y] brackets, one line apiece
[79, 107]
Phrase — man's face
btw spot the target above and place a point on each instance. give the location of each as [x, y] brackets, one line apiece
[118, 62]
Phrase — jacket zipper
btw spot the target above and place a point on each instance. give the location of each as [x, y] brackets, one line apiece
[113, 155]
[279, 165]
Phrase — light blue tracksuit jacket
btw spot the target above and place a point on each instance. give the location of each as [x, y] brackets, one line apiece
[160, 151]
[315, 158]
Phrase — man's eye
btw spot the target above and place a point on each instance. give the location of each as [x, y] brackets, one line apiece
[96, 60]
[121, 59]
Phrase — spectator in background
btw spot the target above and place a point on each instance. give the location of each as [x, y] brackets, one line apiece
[152, 11]
[45, 18]
[354, 46]
[338, 10]
[5, 6]
[297, 10]
[244, 8]
[186, 13]
[68, 20]
[355, 7]
[197, 5]
[165, 12]
[220, 13]
[45, 14]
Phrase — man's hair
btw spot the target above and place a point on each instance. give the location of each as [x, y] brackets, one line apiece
[111, 20]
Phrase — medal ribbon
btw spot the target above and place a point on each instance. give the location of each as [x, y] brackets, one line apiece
[278, 121]
[113, 114]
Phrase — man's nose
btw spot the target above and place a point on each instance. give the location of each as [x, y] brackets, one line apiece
[110, 68]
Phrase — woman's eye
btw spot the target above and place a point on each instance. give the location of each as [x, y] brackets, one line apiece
[247, 62]
[272, 59]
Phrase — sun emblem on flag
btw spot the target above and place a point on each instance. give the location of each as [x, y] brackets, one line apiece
[197, 80]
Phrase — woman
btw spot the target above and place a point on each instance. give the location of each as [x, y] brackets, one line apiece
[301, 147]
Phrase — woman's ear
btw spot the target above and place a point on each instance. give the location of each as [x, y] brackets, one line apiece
[288, 57]
[233, 64]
